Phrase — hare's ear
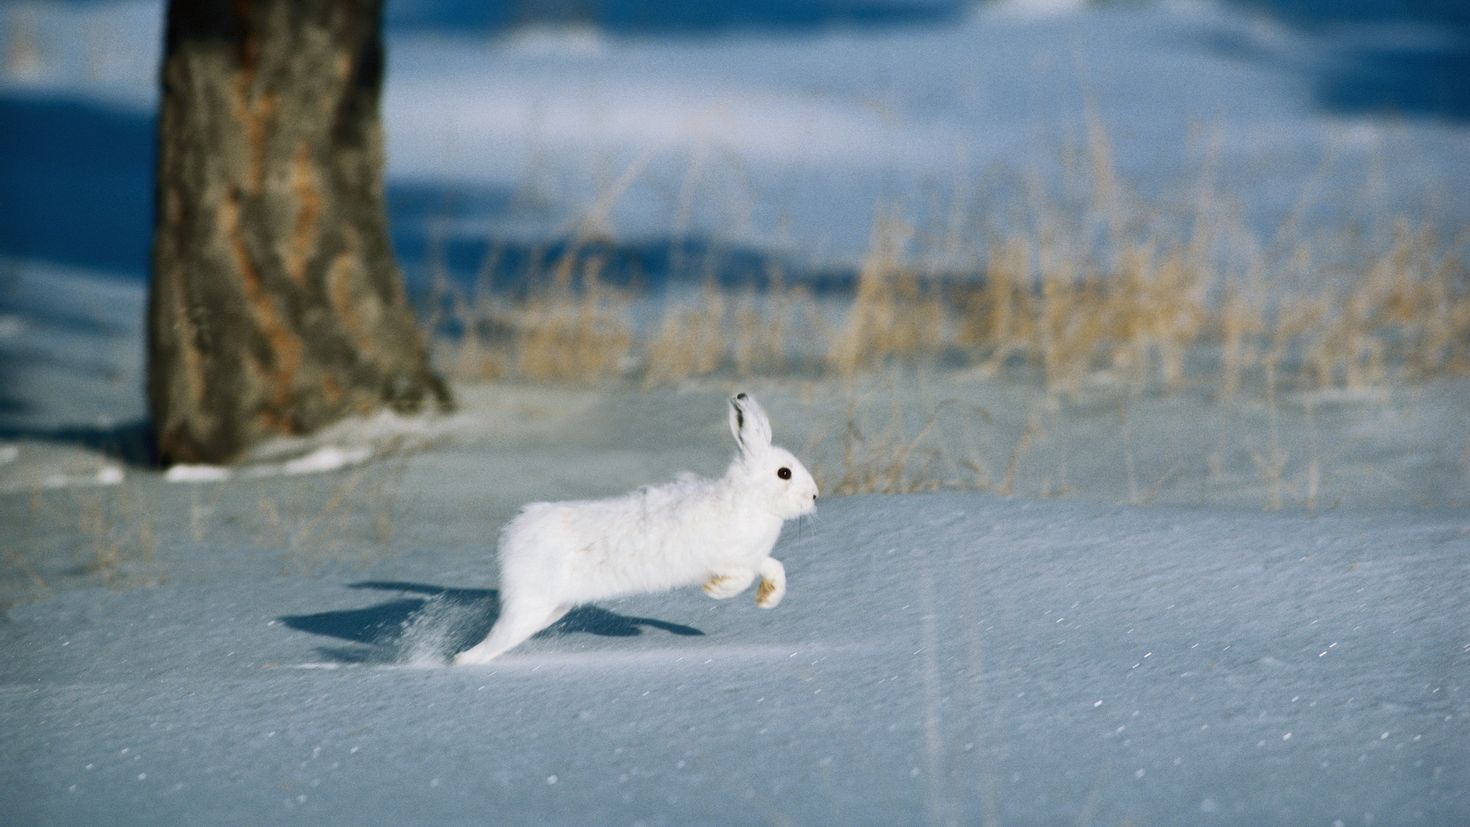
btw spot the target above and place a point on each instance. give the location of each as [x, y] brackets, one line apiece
[749, 424]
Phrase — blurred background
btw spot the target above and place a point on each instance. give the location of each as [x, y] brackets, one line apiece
[1210, 197]
[777, 129]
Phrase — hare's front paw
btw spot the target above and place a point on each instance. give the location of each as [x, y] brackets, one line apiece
[773, 584]
[768, 595]
[728, 584]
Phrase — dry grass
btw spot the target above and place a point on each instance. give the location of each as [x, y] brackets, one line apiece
[118, 527]
[894, 313]
[1409, 307]
[1085, 285]
[889, 459]
[577, 330]
[997, 314]
[569, 327]
[1071, 297]
[772, 325]
[352, 520]
[111, 535]
[22, 56]
[691, 339]
[899, 436]
[1138, 320]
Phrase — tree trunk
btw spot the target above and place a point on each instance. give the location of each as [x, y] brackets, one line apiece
[276, 305]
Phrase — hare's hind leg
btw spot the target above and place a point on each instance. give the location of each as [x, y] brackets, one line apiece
[557, 614]
[518, 621]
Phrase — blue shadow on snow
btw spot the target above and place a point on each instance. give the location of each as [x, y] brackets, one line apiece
[76, 183]
[378, 632]
[643, 18]
[130, 443]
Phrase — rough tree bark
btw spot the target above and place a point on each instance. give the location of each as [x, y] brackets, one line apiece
[276, 305]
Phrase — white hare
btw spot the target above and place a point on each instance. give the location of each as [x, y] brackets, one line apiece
[719, 532]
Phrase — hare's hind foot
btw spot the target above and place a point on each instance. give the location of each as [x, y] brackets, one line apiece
[728, 584]
[517, 623]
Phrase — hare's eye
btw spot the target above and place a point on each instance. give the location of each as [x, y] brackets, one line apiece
[783, 473]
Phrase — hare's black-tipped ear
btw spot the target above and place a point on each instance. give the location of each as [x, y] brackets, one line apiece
[749, 424]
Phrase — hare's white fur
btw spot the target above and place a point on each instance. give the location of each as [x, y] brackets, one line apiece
[718, 532]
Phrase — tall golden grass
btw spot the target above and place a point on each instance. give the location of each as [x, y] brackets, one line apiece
[1085, 283]
[1094, 290]
[1157, 317]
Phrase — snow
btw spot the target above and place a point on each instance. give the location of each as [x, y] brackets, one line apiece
[949, 657]
[267, 643]
[185, 472]
[789, 143]
[323, 459]
[748, 141]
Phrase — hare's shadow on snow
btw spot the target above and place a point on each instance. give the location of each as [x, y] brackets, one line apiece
[429, 623]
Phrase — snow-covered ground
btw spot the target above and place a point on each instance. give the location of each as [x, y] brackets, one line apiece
[946, 658]
[272, 648]
[1131, 637]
